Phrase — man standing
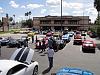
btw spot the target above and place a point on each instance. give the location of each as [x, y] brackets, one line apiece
[32, 38]
[50, 53]
[0, 48]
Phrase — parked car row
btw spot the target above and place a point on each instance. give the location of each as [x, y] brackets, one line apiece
[11, 42]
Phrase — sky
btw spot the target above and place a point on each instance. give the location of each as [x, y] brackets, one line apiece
[40, 8]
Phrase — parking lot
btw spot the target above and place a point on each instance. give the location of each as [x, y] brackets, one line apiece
[70, 56]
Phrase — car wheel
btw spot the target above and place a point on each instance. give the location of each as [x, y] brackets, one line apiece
[35, 71]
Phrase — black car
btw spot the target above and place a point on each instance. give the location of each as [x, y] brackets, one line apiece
[4, 42]
[12, 43]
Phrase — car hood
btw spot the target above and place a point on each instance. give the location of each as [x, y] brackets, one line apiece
[23, 55]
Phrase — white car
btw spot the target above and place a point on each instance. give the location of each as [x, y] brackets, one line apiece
[20, 63]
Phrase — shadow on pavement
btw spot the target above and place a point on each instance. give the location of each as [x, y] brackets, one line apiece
[42, 55]
[46, 71]
[93, 52]
[98, 46]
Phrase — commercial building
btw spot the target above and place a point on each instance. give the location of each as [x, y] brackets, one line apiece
[64, 22]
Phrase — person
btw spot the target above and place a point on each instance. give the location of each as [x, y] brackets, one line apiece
[43, 45]
[36, 38]
[19, 44]
[40, 45]
[26, 42]
[50, 53]
[50, 42]
[0, 48]
[32, 38]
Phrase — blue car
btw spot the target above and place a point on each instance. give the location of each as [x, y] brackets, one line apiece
[66, 38]
[73, 71]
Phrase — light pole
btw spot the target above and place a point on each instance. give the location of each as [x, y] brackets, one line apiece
[61, 16]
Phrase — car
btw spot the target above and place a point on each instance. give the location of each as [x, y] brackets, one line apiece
[73, 71]
[60, 44]
[66, 38]
[88, 45]
[12, 43]
[4, 42]
[31, 34]
[22, 40]
[93, 35]
[71, 33]
[20, 63]
[1, 38]
[77, 39]
[40, 41]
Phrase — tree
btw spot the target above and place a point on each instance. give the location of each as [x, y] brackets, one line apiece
[10, 19]
[29, 13]
[97, 6]
[0, 23]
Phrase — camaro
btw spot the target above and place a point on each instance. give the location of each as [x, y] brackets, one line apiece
[20, 63]
[88, 45]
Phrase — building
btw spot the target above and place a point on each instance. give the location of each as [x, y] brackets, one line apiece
[54, 22]
[5, 24]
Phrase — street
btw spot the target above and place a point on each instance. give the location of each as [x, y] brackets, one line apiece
[70, 56]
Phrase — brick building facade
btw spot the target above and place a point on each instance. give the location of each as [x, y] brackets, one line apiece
[54, 22]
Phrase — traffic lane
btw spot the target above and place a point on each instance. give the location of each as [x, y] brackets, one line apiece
[6, 52]
[72, 56]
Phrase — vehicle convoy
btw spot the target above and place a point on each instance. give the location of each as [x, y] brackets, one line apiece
[20, 63]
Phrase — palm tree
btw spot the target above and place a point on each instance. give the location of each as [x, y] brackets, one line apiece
[29, 13]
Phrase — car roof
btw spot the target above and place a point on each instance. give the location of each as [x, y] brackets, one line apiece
[5, 65]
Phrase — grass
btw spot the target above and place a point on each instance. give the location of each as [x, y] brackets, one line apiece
[1, 32]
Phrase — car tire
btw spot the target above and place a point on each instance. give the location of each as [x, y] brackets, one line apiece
[35, 71]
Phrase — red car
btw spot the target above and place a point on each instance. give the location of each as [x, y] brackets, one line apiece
[77, 39]
[39, 43]
[88, 45]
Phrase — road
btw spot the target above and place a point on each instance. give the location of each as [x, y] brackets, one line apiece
[70, 56]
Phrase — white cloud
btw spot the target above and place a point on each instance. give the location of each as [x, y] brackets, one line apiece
[33, 6]
[43, 11]
[23, 6]
[13, 4]
[53, 2]
[1, 10]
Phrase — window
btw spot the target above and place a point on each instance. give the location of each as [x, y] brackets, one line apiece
[16, 69]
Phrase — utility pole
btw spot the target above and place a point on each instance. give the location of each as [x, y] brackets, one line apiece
[61, 16]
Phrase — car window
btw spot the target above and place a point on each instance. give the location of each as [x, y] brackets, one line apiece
[16, 69]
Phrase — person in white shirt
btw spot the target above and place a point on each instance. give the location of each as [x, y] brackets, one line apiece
[50, 57]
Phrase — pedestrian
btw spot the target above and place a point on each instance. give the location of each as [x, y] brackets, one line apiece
[32, 38]
[0, 48]
[36, 38]
[40, 46]
[19, 44]
[50, 42]
[50, 53]
[43, 45]
[26, 42]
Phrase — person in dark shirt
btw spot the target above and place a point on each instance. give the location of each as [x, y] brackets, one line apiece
[43, 45]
